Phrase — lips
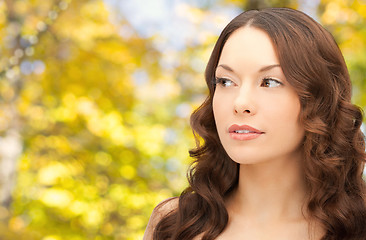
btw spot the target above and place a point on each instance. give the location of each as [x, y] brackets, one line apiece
[243, 129]
[244, 132]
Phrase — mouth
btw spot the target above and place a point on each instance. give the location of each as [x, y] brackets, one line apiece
[243, 129]
[244, 132]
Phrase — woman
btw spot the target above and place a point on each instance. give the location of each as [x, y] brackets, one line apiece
[283, 152]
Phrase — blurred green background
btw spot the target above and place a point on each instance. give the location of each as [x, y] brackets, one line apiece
[95, 98]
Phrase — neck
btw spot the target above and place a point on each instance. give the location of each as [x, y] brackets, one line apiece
[269, 191]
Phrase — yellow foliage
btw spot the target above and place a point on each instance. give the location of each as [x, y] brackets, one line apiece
[50, 174]
[91, 23]
[103, 158]
[128, 172]
[53, 197]
[135, 222]
[16, 224]
[52, 237]
[149, 138]
[117, 192]
[78, 207]
[93, 217]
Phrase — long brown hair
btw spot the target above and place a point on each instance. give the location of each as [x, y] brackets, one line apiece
[334, 147]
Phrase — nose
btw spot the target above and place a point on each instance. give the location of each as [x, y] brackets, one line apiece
[244, 103]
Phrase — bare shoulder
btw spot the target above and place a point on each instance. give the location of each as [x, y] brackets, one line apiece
[161, 210]
[167, 206]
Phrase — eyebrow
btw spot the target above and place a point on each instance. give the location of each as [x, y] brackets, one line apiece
[263, 69]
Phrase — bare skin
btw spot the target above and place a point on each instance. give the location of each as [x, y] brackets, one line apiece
[268, 203]
[252, 90]
[159, 212]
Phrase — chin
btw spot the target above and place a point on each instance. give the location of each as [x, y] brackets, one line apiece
[247, 160]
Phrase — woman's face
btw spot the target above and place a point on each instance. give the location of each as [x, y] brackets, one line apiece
[256, 110]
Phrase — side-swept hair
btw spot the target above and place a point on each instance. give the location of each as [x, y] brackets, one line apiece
[333, 146]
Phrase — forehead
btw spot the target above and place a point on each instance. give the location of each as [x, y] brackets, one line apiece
[248, 47]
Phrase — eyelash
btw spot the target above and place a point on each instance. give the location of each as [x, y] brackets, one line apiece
[222, 81]
[271, 79]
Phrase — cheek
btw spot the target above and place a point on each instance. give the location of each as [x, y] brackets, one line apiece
[284, 114]
[221, 107]
[216, 106]
[284, 107]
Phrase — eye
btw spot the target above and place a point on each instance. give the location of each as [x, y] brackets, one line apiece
[224, 82]
[270, 83]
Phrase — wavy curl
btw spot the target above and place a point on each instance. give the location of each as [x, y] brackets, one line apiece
[334, 146]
